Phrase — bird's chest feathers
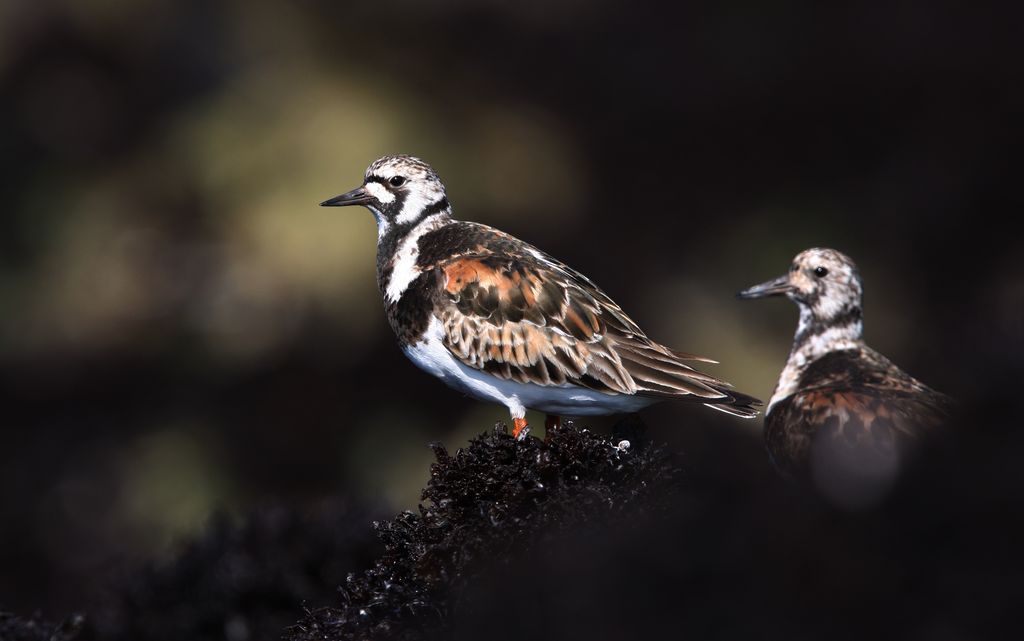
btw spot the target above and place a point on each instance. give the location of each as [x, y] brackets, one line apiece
[408, 287]
[789, 380]
[410, 315]
[397, 265]
[810, 349]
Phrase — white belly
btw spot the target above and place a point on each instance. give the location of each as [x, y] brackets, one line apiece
[432, 356]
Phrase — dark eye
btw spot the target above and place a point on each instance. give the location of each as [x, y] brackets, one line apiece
[397, 181]
[820, 272]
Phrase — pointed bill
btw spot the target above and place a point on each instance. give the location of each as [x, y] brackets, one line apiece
[775, 287]
[358, 196]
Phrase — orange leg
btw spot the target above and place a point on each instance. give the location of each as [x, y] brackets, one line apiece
[519, 428]
[552, 422]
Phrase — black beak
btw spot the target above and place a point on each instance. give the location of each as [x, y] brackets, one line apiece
[774, 287]
[358, 196]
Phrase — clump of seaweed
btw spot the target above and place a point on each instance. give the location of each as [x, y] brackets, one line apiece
[483, 505]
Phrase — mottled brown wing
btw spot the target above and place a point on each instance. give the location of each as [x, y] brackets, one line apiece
[531, 319]
[863, 369]
[869, 420]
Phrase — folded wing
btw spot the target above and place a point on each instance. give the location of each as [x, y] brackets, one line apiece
[534, 320]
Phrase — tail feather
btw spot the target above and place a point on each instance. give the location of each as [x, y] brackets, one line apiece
[656, 370]
[740, 405]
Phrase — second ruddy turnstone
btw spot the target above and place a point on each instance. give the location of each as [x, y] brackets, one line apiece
[841, 411]
[501, 321]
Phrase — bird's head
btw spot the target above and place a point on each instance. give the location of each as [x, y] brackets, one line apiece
[825, 284]
[400, 190]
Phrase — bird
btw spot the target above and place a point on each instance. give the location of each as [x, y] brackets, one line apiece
[841, 412]
[501, 321]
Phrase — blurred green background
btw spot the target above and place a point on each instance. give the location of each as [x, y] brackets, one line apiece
[183, 330]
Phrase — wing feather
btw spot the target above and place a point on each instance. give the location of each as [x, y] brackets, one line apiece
[529, 318]
[850, 406]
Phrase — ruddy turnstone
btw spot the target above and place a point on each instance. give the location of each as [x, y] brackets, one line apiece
[501, 321]
[840, 409]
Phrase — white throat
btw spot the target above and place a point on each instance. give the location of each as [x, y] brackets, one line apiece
[383, 225]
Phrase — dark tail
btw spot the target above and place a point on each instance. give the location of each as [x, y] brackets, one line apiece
[738, 405]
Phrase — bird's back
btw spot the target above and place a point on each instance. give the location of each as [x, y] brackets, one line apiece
[854, 401]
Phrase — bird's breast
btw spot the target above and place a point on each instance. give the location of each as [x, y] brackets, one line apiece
[411, 313]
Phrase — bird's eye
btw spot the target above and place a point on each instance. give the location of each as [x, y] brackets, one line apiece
[820, 272]
[397, 181]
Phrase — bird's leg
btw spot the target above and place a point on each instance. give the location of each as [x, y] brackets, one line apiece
[552, 422]
[519, 428]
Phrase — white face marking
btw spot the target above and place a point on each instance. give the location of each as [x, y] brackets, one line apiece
[379, 192]
[829, 306]
[418, 197]
[432, 356]
[404, 269]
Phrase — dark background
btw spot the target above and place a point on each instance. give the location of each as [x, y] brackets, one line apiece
[182, 330]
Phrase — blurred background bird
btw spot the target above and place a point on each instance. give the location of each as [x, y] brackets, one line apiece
[842, 414]
[181, 328]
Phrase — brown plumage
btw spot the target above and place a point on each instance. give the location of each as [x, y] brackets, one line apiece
[529, 318]
[854, 399]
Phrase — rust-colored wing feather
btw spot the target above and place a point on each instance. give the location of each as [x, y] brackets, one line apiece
[529, 318]
[855, 400]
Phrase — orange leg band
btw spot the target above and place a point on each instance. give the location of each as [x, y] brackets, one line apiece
[518, 425]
